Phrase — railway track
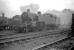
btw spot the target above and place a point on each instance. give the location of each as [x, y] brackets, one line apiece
[65, 44]
[17, 37]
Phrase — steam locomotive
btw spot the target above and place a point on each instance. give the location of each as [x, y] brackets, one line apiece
[18, 28]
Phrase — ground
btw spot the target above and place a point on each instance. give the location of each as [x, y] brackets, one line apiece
[33, 44]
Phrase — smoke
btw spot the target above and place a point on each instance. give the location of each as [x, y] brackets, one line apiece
[32, 7]
[65, 17]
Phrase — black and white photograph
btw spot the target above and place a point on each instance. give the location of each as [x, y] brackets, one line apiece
[36, 24]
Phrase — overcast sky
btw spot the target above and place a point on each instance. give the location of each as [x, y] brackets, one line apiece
[12, 7]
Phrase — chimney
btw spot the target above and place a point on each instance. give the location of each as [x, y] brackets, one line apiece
[3, 15]
[28, 10]
[39, 13]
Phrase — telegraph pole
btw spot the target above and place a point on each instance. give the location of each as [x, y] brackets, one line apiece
[72, 26]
